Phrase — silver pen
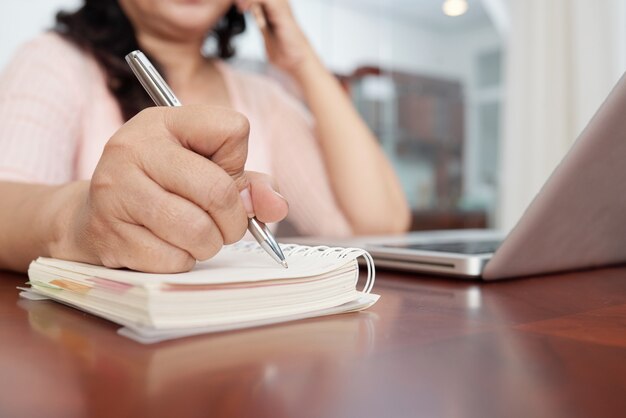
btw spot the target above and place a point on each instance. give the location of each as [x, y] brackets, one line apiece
[162, 95]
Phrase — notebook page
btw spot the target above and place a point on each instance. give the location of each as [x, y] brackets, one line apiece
[241, 262]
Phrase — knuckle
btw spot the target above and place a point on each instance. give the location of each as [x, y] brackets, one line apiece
[199, 237]
[235, 231]
[199, 228]
[240, 126]
[120, 149]
[164, 260]
[165, 116]
[212, 245]
[107, 259]
[116, 145]
[223, 195]
[234, 161]
[160, 211]
[102, 180]
[179, 262]
[150, 113]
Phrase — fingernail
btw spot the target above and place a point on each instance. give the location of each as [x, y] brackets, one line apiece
[279, 195]
[247, 201]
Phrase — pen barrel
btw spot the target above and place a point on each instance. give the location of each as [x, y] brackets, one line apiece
[162, 95]
[266, 240]
[158, 90]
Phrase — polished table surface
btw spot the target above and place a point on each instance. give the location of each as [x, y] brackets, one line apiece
[540, 347]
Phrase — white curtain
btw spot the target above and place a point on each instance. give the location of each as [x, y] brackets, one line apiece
[563, 57]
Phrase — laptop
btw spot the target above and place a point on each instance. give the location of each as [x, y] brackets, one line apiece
[577, 220]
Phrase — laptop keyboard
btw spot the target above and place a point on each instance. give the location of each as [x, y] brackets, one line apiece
[469, 247]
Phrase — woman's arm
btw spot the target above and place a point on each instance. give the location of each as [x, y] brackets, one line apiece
[168, 190]
[29, 215]
[363, 180]
[365, 184]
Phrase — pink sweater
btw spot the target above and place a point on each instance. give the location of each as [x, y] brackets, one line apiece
[56, 114]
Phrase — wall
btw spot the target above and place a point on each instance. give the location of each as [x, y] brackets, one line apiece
[348, 36]
[22, 20]
[622, 35]
[344, 36]
[465, 48]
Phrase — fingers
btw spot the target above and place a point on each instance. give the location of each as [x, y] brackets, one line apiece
[143, 251]
[243, 5]
[178, 221]
[269, 205]
[216, 133]
[265, 12]
[206, 170]
[170, 189]
[259, 16]
[200, 181]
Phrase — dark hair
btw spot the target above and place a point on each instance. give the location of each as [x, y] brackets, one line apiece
[101, 28]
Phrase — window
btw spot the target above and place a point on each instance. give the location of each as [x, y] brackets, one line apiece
[429, 86]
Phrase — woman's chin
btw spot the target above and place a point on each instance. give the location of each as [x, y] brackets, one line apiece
[185, 33]
[194, 15]
[190, 25]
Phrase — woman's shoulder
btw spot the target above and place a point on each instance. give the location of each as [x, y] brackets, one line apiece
[53, 47]
[49, 58]
[53, 68]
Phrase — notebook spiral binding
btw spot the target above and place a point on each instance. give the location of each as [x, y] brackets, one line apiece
[320, 251]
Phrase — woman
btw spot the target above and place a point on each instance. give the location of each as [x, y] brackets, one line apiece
[65, 96]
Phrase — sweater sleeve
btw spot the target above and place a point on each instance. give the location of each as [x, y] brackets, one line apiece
[40, 110]
[298, 165]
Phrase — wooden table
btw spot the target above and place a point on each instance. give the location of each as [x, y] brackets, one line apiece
[540, 347]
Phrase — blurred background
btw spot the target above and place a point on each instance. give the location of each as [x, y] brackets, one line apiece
[474, 101]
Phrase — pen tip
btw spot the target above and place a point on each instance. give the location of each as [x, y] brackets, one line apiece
[284, 264]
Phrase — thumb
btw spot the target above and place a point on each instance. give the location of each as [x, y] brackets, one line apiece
[261, 198]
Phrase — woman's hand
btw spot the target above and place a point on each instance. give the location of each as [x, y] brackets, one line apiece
[169, 189]
[287, 46]
[347, 144]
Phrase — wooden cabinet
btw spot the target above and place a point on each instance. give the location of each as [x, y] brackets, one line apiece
[419, 121]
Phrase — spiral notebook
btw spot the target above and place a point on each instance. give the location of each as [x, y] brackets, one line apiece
[241, 287]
